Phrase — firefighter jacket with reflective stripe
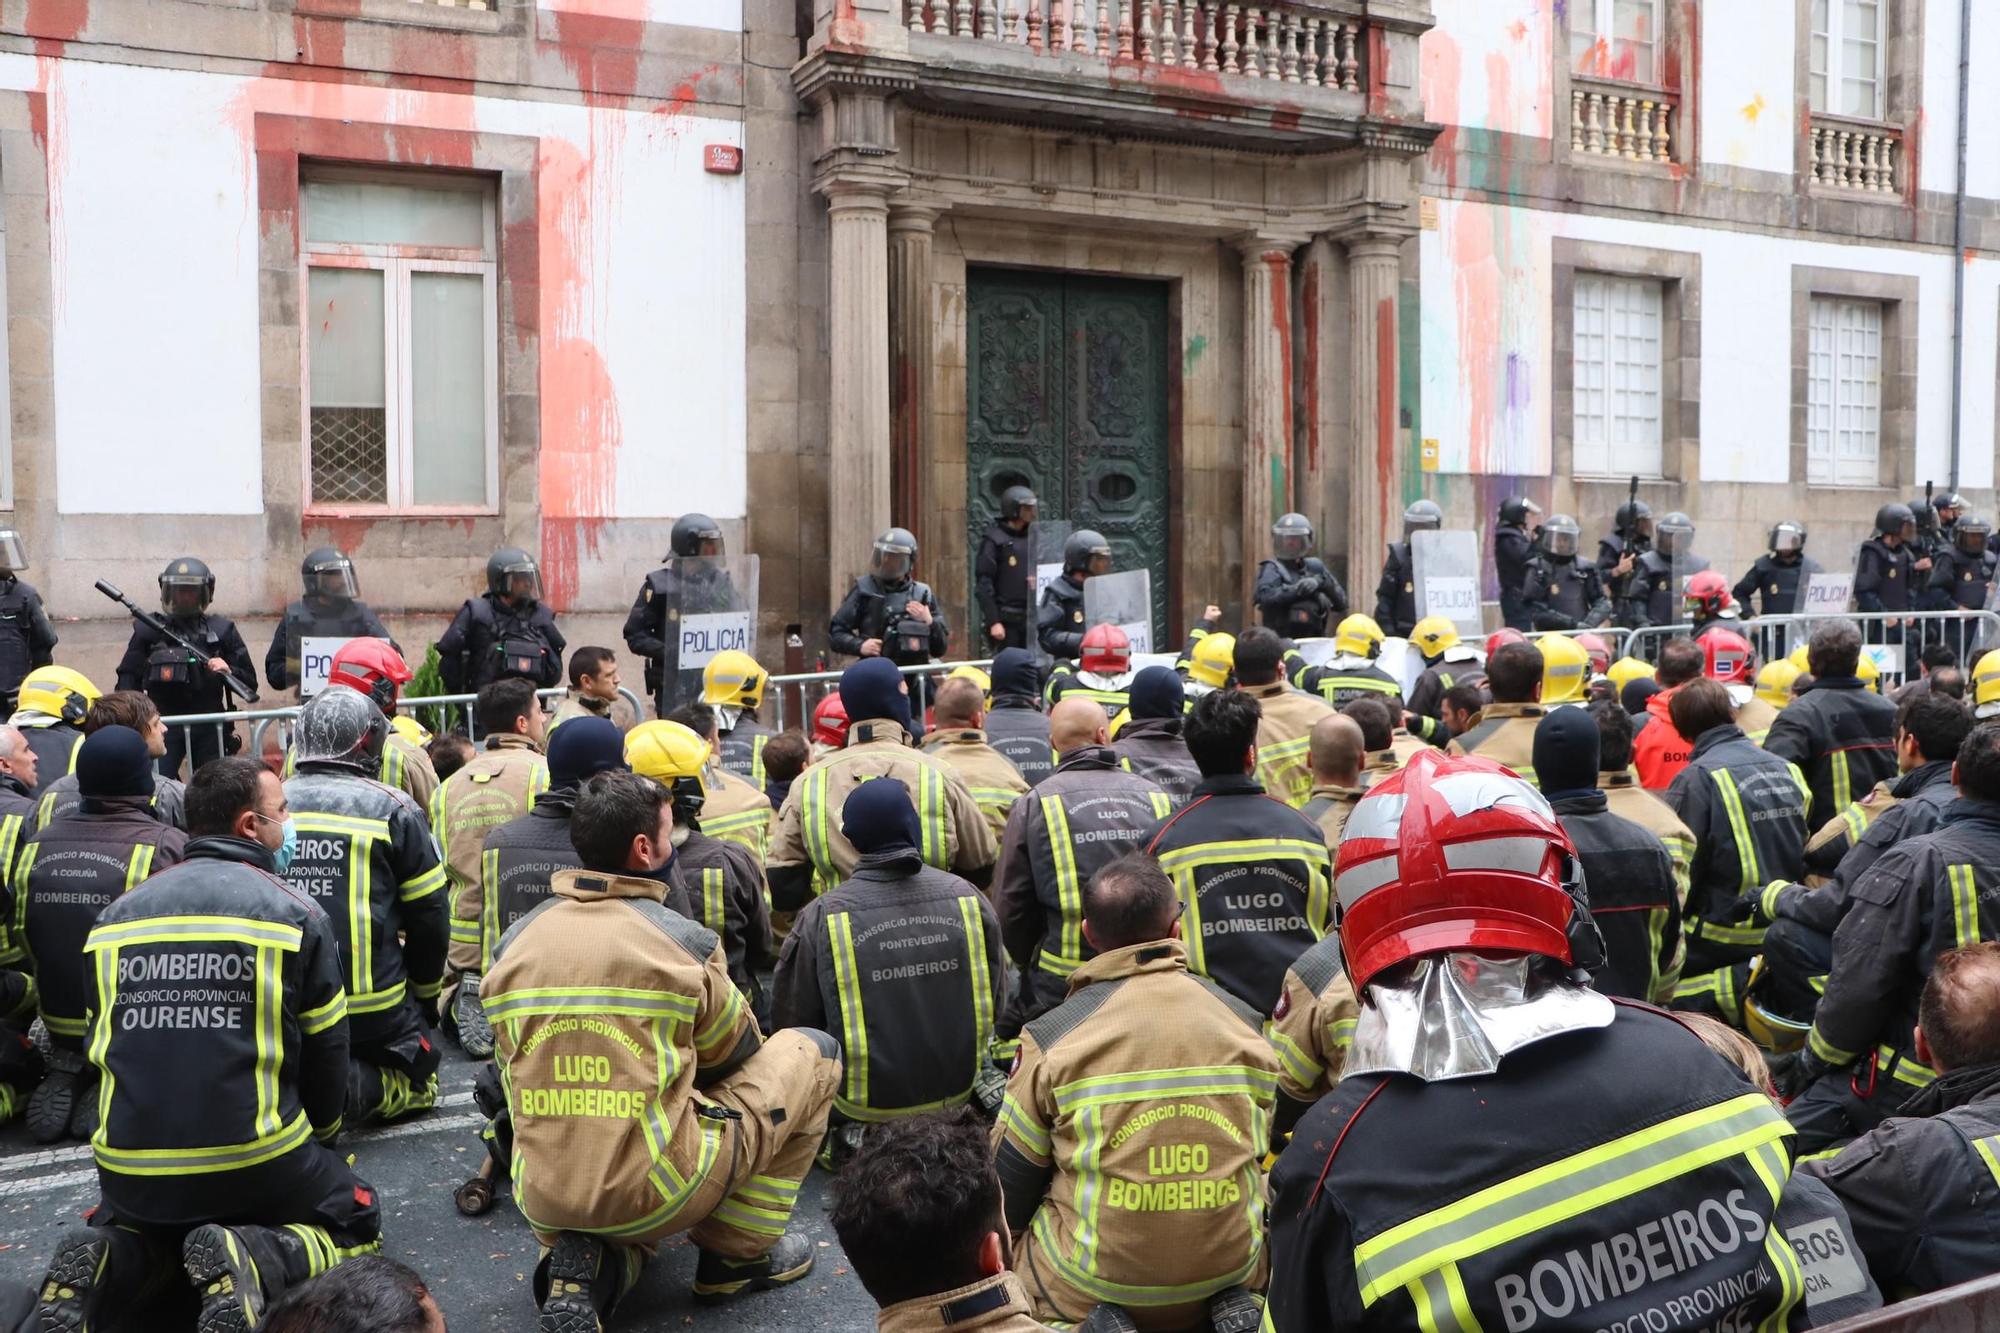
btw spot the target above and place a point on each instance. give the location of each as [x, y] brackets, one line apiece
[62, 797]
[1923, 896]
[1254, 880]
[1329, 807]
[735, 811]
[809, 853]
[55, 745]
[365, 857]
[1911, 808]
[17, 821]
[610, 1012]
[1841, 736]
[1633, 898]
[1083, 817]
[902, 963]
[1624, 797]
[1284, 734]
[498, 784]
[1508, 1201]
[1747, 811]
[1505, 734]
[1111, 693]
[1344, 679]
[1835, 836]
[1313, 1025]
[1427, 695]
[999, 1304]
[724, 887]
[519, 862]
[989, 775]
[219, 1022]
[1130, 1141]
[741, 749]
[1155, 749]
[1017, 727]
[69, 873]
[1923, 1189]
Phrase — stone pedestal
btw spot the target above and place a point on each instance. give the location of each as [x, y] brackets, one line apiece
[858, 343]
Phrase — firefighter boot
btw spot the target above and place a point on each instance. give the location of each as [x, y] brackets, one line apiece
[717, 1278]
[1108, 1319]
[1234, 1310]
[83, 1113]
[224, 1274]
[74, 1275]
[475, 1034]
[50, 1105]
[575, 1267]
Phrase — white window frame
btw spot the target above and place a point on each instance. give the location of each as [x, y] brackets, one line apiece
[1604, 25]
[1844, 340]
[1619, 450]
[397, 263]
[1834, 75]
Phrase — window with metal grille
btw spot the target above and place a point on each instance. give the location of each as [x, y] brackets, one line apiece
[1845, 63]
[1844, 392]
[1615, 39]
[1617, 376]
[401, 344]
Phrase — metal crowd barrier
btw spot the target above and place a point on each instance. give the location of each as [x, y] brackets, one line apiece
[792, 698]
[1967, 632]
[1616, 637]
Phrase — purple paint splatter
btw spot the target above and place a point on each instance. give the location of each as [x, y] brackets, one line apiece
[1520, 387]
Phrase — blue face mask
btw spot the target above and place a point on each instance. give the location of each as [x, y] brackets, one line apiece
[281, 856]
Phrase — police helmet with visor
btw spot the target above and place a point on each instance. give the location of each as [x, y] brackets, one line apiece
[1086, 552]
[1518, 509]
[1787, 538]
[1634, 519]
[511, 572]
[894, 557]
[1971, 535]
[1896, 520]
[1560, 536]
[327, 573]
[1422, 516]
[13, 552]
[1292, 538]
[186, 587]
[1675, 535]
[695, 535]
[1018, 505]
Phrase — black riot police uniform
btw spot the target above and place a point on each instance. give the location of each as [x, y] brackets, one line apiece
[875, 608]
[1631, 534]
[501, 633]
[1776, 582]
[1513, 551]
[1961, 573]
[328, 610]
[1396, 592]
[1883, 572]
[176, 682]
[1296, 592]
[1059, 625]
[27, 640]
[652, 628]
[1653, 592]
[1003, 573]
[1563, 592]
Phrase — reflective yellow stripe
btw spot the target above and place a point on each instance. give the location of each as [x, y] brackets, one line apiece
[1827, 1051]
[757, 762]
[140, 866]
[181, 929]
[853, 1024]
[1842, 782]
[982, 984]
[1805, 788]
[720, 1028]
[22, 872]
[812, 820]
[270, 1041]
[200, 1161]
[712, 908]
[1986, 1149]
[1305, 1070]
[623, 1001]
[1016, 1121]
[1964, 904]
[314, 1021]
[1857, 823]
[1739, 828]
[1069, 893]
[489, 905]
[1441, 1302]
[930, 818]
[1892, 1062]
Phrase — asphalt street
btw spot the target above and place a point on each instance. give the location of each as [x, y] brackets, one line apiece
[479, 1268]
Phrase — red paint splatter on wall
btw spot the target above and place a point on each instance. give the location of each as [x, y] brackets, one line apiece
[1440, 81]
[55, 23]
[1309, 299]
[1280, 269]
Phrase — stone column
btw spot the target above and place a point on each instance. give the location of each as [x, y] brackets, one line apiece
[910, 363]
[858, 343]
[1267, 388]
[1374, 462]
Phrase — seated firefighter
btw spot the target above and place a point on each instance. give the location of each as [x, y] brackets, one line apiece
[1161, 1216]
[642, 1102]
[233, 1185]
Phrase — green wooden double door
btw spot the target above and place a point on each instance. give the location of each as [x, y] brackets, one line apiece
[1066, 389]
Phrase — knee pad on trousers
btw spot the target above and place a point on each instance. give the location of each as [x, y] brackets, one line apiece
[828, 1046]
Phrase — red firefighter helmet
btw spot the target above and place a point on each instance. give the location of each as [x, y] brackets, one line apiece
[1456, 853]
[1726, 657]
[1707, 594]
[830, 721]
[1500, 638]
[372, 666]
[1599, 650]
[1106, 650]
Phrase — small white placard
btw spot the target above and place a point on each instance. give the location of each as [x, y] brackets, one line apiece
[703, 636]
[316, 662]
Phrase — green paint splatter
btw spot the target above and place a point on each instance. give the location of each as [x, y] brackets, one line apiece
[1280, 493]
[1410, 389]
[1196, 346]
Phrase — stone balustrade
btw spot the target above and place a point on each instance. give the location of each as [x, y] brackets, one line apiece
[1635, 125]
[1854, 155]
[1289, 43]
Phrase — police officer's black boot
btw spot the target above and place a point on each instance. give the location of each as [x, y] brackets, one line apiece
[219, 1264]
[51, 1104]
[75, 1271]
[717, 1278]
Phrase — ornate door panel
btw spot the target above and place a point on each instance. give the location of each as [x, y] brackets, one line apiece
[1066, 389]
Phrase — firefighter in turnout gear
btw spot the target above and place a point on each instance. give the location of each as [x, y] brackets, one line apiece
[1003, 573]
[1886, 567]
[1082, 817]
[1351, 672]
[1447, 662]
[889, 612]
[1287, 716]
[65, 876]
[364, 855]
[215, 976]
[1513, 551]
[506, 631]
[734, 810]
[173, 678]
[499, 784]
[809, 854]
[1103, 674]
[901, 962]
[1136, 1117]
[1396, 592]
[54, 700]
[27, 639]
[1565, 670]
[1624, 797]
[652, 627]
[1059, 623]
[1563, 592]
[956, 737]
[1923, 896]
[1653, 593]
[643, 1103]
[1506, 730]
[1747, 810]
[723, 884]
[1311, 1029]
[330, 608]
[733, 685]
[1152, 743]
[1454, 1178]
[377, 669]
[1295, 591]
[1839, 733]
[1015, 723]
[1251, 873]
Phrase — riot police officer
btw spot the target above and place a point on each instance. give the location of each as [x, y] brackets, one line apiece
[1004, 571]
[1059, 621]
[889, 613]
[1513, 551]
[1295, 590]
[1396, 594]
[1883, 571]
[330, 608]
[1561, 591]
[506, 631]
[1960, 576]
[175, 681]
[1631, 537]
[1937, 522]
[1777, 580]
[652, 627]
[1653, 593]
[27, 640]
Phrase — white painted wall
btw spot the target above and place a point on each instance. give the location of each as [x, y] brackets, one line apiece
[1748, 97]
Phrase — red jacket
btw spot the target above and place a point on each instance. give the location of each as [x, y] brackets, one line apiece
[1659, 752]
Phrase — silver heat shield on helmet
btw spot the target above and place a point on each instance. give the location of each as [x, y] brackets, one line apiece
[1455, 1015]
[340, 725]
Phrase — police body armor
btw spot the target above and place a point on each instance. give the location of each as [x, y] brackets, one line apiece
[652, 627]
[1655, 588]
[27, 640]
[1396, 595]
[315, 618]
[1306, 617]
[1565, 588]
[1776, 583]
[174, 678]
[1961, 580]
[872, 611]
[1882, 577]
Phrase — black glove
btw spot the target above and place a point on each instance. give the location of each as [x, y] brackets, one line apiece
[1805, 1070]
[1743, 910]
[1307, 586]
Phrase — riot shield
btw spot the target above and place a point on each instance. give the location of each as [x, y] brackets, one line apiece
[709, 607]
[1124, 599]
[329, 605]
[1445, 566]
[1050, 535]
